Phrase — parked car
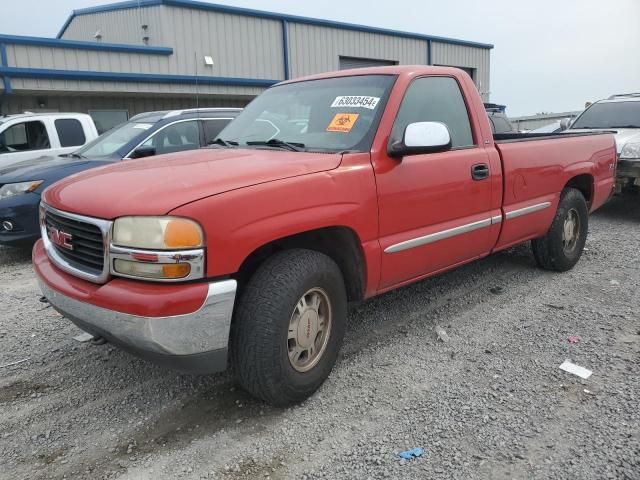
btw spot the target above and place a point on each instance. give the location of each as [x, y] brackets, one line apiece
[498, 119]
[255, 246]
[31, 135]
[144, 135]
[620, 113]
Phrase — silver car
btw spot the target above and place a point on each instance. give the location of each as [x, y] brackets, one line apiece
[622, 114]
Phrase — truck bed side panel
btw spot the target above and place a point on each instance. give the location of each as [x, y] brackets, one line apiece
[536, 172]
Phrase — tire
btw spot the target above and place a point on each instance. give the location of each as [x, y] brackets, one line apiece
[269, 306]
[560, 250]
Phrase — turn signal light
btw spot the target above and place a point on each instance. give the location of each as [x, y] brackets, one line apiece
[182, 233]
[168, 271]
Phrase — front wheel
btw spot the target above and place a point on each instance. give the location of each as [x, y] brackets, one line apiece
[289, 326]
[561, 248]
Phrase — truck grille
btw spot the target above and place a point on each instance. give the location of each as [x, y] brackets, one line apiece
[75, 243]
[87, 250]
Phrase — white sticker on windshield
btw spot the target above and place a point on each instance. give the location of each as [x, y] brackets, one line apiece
[356, 101]
[143, 126]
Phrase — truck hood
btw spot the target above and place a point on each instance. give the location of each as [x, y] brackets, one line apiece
[622, 135]
[157, 185]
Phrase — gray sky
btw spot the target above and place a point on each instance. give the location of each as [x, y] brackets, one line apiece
[549, 55]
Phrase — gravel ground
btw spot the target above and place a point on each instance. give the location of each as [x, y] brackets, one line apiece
[490, 402]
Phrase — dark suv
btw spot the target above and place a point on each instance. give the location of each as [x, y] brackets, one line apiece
[145, 135]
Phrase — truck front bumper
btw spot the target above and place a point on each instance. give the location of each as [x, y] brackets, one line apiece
[195, 341]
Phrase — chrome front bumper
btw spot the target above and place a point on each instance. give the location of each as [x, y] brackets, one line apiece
[196, 342]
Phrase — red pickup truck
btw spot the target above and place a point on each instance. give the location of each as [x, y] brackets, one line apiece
[325, 190]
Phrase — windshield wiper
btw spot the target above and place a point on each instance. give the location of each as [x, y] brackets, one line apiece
[224, 143]
[625, 126]
[275, 142]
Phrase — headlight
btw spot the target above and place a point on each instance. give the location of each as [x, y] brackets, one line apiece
[630, 150]
[157, 248]
[11, 189]
[157, 233]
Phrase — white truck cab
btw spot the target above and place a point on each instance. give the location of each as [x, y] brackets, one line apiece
[30, 135]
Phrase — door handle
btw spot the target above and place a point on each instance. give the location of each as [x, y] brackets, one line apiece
[480, 171]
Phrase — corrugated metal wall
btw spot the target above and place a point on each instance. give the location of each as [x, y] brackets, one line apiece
[37, 56]
[240, 46]
[137, 88]
[464, 56]
[134, 105]
[315, 49]
[42, 57]
[118, 26]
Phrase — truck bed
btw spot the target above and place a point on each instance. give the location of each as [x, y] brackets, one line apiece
[534, 175]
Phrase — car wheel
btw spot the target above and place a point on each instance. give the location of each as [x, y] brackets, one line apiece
[289, 326]
[561, 248]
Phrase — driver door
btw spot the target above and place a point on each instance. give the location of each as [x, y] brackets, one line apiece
[433, 213]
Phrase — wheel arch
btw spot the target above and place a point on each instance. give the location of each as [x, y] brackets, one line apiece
[584, 183]
[340, 243]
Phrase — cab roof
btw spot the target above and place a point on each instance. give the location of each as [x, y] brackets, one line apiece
[400, 70]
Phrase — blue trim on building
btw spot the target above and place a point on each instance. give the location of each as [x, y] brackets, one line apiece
[198, 5]
[131, 77]
[4, 62]
[285, 48]
[75, 44]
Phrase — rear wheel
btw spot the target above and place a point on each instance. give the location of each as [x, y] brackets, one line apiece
[289, 326]
[561, 248]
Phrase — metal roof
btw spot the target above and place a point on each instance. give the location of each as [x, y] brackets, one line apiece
[4, 118]
[199, 5]
[620, 99]
[162, 114]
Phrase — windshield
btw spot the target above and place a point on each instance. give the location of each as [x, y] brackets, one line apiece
[332, 114]
[610, 115]
[110, 142]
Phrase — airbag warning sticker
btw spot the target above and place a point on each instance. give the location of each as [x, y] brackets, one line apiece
[343, 122]
[356, 101]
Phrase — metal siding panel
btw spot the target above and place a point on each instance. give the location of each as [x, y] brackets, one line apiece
[134, 105]
[46, 87]
[44, 57]
[118, 26]
[240, 46]
[464, 56]
[316, 49]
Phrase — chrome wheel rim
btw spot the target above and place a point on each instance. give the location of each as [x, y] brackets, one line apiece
[570, 230]
[309, 330]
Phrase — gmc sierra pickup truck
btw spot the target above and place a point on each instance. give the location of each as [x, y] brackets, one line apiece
[325, 190]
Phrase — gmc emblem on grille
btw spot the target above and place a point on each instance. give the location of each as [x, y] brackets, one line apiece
[60, 238]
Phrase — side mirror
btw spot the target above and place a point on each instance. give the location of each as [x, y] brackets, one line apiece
[565, 123]
[422, 137]
[142, 152]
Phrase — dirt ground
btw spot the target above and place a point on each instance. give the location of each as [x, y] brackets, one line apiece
[489, 403]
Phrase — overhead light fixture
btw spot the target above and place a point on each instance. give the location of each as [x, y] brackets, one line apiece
[208, 61]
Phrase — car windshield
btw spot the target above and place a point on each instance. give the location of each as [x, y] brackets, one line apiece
[610, 115]
[113, 140]
[332, 114]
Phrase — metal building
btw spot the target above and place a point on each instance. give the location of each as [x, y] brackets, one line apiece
[116, 60]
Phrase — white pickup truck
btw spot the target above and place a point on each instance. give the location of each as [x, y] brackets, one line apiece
[31, 135]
